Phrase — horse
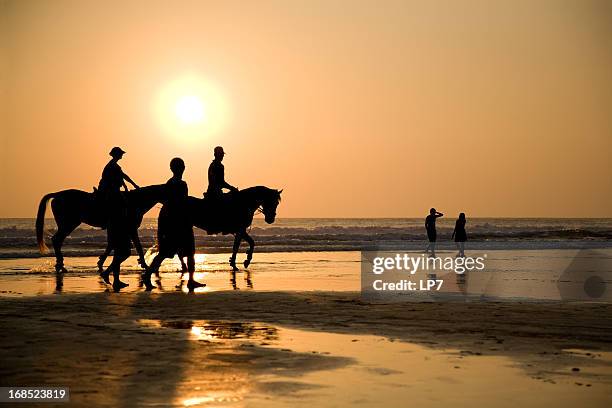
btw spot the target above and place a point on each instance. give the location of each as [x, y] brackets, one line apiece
[233, 214]
[73, 207]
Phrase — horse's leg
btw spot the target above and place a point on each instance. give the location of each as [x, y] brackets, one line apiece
[58, 239]
[138, 245]
[232, 260]
[103, 257]
[249, 251]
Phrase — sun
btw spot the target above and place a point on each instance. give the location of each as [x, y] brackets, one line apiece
[191, 108]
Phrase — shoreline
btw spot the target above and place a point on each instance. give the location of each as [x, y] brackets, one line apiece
[8, 253]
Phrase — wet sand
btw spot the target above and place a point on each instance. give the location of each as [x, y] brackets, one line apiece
[297, 346]
[311, 348]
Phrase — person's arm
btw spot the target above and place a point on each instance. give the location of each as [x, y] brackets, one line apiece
[454, 230]
[229, 186]
[224, 183]
[439, 214]
[129, 180]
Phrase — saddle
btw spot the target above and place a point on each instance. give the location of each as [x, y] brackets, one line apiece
[217, 201]
[219, 210]
[103, 207]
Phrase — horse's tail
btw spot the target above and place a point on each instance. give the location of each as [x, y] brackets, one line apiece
[40, 222]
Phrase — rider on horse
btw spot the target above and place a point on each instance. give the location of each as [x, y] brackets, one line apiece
[216, 177]
[113, 178]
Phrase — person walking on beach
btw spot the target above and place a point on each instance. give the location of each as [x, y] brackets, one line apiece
[430, 226]
[216, 176]
[174, 228]
[460, 235]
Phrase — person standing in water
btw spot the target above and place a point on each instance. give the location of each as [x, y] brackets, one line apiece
[460, 235]
[174, 228]
[430, 226]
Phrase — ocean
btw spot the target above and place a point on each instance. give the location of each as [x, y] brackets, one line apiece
[17, 235]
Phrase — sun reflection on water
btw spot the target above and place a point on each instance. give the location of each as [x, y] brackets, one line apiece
[208, 399]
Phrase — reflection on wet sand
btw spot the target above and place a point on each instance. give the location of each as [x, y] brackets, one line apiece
[248, 279]
[287, 271]
[275, 366]
[237, 361]
[59, 282]
[287, 349]
[217, 330]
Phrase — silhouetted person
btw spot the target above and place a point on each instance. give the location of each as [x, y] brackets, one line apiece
[430, 226]
[216, 176]
[460, 235]
[174, 228]
[113, 178]
[115, 205]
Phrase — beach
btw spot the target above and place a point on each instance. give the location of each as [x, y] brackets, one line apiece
[296, 331]
[376, 204]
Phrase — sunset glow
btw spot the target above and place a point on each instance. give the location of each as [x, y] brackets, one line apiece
[191, 108]
[356, 109]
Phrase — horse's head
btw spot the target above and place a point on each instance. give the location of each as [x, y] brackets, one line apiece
[269, 204]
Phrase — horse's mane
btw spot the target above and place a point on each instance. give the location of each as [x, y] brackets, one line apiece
[260, 190]
[147, 189]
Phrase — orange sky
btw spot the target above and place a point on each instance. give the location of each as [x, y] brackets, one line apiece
[355, 108]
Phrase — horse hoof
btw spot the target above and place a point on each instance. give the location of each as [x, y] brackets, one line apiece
[247, 262]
